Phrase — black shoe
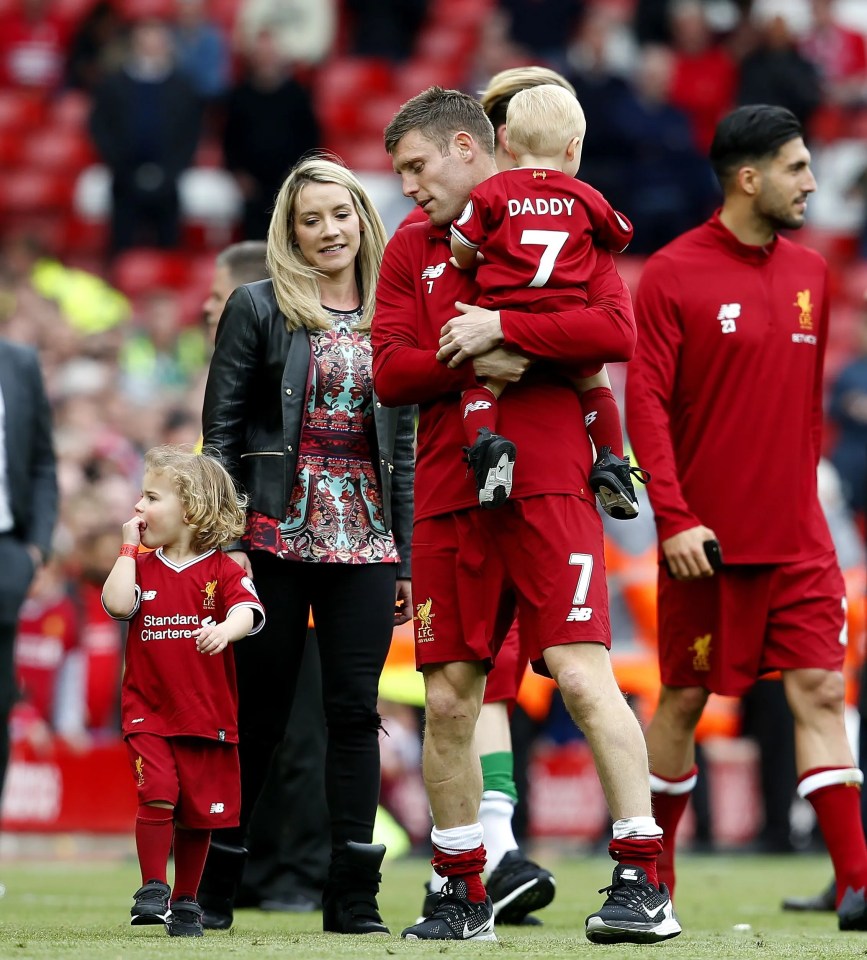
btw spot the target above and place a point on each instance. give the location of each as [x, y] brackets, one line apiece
[492, 458]
[518, 887]
[824, 902]
[635, 912]
[218, 888]
[455, 917]
[151, 904]
[186, 919]
[852, 912]
[611, 480]
[349, 900]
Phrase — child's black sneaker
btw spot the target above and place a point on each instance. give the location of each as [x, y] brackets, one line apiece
[611, 481]
[492, 458]
[151, 904]
[635, 912]
[455, 917]
[186, 919]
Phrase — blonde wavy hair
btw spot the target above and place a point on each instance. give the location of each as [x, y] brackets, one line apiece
[296, 283]
[213, 508]
[505, 84]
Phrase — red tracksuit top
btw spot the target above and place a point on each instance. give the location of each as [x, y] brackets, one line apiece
[542, 414]
[724, 395]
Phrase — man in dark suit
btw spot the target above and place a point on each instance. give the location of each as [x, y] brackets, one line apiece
[28, 503]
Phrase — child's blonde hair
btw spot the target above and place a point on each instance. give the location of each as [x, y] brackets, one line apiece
[541, 120]
[213, 508]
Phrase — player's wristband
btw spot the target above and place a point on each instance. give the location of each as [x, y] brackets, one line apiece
[129, 550]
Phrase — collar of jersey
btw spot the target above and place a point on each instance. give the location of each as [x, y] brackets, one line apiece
[743, 251]
[183, 566]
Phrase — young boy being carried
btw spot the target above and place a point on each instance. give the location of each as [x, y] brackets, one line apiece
[530, 232]
[185, 602]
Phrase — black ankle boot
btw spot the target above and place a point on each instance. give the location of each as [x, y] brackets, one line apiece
[219, 885]
[349, 901]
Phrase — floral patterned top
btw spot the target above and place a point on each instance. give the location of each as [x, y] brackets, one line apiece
[335, 510]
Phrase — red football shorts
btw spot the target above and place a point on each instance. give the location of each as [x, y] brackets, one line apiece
[504, 680]
[201, 778]
[722, 633]
[541, 557]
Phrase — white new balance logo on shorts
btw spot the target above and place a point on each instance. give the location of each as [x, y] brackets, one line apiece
[218, 808]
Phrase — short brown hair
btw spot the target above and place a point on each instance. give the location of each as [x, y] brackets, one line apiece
[245, 261]
[438, 115]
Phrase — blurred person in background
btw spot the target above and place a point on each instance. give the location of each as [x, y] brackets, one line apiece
[840, 55]
[34, 38]
[385, 28]
[96, 47]
[202, 49]
[28, 504]
[145, 124]
[847, 410]
[258, 149]
[303, 30]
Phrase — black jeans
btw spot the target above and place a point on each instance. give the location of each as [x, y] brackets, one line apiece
[353, 607]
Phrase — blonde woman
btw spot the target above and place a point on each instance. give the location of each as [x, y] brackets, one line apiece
[290, 409]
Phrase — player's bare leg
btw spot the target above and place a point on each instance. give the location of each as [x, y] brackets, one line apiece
[453, 779]
[637, 910]
[826, 774]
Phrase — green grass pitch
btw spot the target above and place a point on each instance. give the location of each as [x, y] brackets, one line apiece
[79, 910]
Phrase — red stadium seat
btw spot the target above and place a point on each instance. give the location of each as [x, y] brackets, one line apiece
[417, 75]
[58, 149]
[139, 271]
[35, 191]
[354, 77]
[368, 155]
[11, 149]
[20, 110]
[70, 110]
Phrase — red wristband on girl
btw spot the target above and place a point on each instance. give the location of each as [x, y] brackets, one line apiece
[129, 550]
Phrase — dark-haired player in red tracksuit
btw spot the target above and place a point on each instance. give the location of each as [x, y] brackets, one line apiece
[724, 407]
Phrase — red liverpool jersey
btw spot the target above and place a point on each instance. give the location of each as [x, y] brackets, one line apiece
[536, 230]
[169, 688]
[724, 396]
[416, 296]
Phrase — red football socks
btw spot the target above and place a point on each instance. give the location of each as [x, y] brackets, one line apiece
[154, 827]
[838, 810]
[191, 849]
[670, 797]
[478, 409]
[467, 866]
[602, 419]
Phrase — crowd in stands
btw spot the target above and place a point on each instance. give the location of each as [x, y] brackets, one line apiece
[151, 88]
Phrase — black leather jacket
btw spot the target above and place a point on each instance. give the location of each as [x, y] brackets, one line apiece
[257, 360]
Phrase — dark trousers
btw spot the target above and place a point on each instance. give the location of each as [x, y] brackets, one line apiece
[289, 836]
[353, 606]
[8, 693]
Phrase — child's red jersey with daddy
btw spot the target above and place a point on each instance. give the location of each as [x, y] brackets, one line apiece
[169, 688]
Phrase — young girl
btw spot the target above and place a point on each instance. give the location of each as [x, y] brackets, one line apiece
[185, 602]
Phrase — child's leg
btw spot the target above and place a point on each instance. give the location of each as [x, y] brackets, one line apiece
[154, 827]
[479, 408]
[191, 849]
[602, 418]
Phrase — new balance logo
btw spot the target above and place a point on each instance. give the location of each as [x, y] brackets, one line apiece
[728, 313]
[431, 273]
[590, 418]
[579, 614]
[148, 594]
[477, 405]
[218, 808]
